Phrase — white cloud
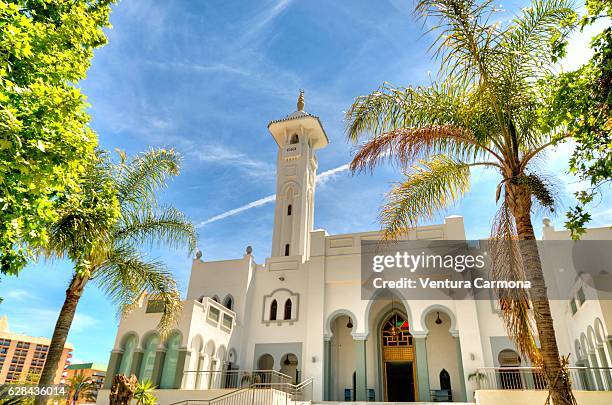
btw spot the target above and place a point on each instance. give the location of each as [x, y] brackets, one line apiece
[265, 18]
[321, 179]
[331, 174]
[19, 295]
[82, 323]
[224, 155]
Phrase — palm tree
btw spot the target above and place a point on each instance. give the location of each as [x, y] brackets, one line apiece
[144, 393]
[81, 387]
[483, 112]
[107, 252]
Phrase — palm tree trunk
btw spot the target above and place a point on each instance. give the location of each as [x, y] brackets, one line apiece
[60, 333]
[520, 203]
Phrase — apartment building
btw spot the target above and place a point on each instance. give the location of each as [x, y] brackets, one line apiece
[22, 356]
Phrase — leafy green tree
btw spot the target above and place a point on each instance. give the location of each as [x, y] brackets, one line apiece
[45, 139]
[110, 256]
[581, 102]
[144, 393]
[483, 112]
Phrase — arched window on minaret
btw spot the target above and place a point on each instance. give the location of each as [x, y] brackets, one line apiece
[288, 305]
[273, 309]
[287, 249]
[289, 209]
[294, 139]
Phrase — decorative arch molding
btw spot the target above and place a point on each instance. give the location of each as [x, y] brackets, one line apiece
[580, 354]
[210, 348]
[147, 336]
[328, 334]
[441, 308]
[591, 338]
[126, 336]
[398, 298]
[197, 343]
[173, 333]
[290, 183]
[585, 343]
[600, 331]
[221, 354]
[281, 295]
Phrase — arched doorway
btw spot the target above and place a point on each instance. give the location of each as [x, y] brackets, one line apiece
[398, 360]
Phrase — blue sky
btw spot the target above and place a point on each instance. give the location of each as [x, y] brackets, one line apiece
[205, 78]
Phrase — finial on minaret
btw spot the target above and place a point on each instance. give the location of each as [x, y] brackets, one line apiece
[300, 102]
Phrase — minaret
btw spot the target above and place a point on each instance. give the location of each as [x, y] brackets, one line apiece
[298, 136]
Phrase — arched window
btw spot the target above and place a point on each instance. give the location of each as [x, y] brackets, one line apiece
[170, 361]
[289, 209]
[229, 303]
[294, 139]
[445, 382]
[273, 309]
[129, 344]
[287, 309]
[148, 358]
[287, 249]
[215, 298]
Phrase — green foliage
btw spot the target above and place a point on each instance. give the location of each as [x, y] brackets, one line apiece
[81, 388]
[580, 102]
[143, 394]
[45, 140]
[106, 227]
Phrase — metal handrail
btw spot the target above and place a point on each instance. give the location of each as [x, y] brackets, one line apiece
[211, 401]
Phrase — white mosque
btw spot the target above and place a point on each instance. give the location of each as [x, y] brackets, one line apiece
[300, 312]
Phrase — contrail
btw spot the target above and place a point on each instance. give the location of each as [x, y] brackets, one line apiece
[321, 179]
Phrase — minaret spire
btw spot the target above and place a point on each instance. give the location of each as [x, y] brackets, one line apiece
[300, 102]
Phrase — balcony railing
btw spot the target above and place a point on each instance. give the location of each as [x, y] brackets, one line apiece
[532, 378]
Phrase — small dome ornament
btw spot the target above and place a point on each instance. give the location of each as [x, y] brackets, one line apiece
[249, 250]
[198, 254]
[300, 101]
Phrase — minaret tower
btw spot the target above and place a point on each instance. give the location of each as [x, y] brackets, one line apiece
[298, 136]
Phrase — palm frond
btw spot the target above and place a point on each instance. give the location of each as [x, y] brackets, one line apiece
[126, 275]
[390, 108]
[159, 226]
[407, 145]
[466, 40]
[145, 174]
[507, 265]
[430, 187]
[528, 39]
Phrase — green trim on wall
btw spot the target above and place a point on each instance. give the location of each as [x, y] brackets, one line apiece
[113, 366]
[361, 384]
[462, 392]
[158, 367]
[326, 370]
[422, 369]
[183, 358]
